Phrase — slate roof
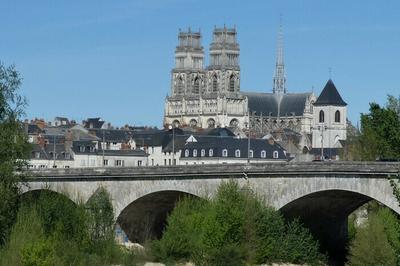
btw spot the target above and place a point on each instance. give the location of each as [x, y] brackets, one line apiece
[92, 150]
[46, 152]
[330, 96]
[113, 135]
[232, 144]
[274, 105]
[221, 132]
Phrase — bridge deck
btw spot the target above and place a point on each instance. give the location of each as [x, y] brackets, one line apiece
[328, 169]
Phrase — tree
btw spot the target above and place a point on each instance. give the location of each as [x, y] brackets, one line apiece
[14, 148]
[393, 103]
[101, 216]
[234, 228]
[371, 245]
[380, 132]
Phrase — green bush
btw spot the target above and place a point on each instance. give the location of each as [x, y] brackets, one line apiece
[371, 246]
[52, 230]
[235, 228]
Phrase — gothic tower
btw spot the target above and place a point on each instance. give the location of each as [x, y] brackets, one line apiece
[279, 77]
[188, 74]
[223, 73]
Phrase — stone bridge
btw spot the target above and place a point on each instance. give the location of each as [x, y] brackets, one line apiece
[322, 194]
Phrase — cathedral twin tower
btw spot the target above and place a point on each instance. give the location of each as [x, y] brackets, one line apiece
[189, 75]
[206, 97]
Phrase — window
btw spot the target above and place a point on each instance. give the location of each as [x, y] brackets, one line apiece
[83, 163]
[237, 153]
[37, 155]
[196, 86]
[194, 153]
[215, 84]
[67, 155]
[251, 155]
[174, 161]
[276, 155]
[210, 153]
[165, 161]
[203, 152]
[224, 153]
[119, 162]
[337, 116]
[139, 163]
[232, 84]
[105, 162]
[180, 86]
[92, 162]
[82, 148]
[169, 161]
[186, 153]
[321, 116]
[66, 166]
[263, 154]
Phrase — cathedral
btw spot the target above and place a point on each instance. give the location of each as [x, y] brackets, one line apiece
[208, 97]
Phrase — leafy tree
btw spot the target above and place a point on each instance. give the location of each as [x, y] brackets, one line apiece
[371, 245]
[393, 103]
[14, 148]
[234, 228]
[101, 216]
[352, 147]
[380, 133]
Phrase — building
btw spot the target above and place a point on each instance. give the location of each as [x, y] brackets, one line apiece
[228, 149]
[207, 97]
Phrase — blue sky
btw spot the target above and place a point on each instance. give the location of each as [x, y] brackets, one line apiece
[113, 59]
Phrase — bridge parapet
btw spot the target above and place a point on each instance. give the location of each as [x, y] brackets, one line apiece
[327, 169]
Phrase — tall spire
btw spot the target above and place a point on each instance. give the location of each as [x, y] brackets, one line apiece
[279, 77]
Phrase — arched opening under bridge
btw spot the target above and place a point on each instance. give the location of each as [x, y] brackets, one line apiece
[146, 217]
[326, 213]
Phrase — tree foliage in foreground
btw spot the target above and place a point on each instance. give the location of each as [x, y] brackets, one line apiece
[14, 148]
[379, 136]
[380, 131]
[377, 242]
[52, 230]
[235, 228]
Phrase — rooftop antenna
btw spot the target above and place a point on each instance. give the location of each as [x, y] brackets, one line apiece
[330, 72]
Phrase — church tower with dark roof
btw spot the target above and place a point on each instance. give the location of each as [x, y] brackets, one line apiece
[330, 120]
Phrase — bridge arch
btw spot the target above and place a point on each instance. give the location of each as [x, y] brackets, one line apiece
[145, 217]
[325, 210]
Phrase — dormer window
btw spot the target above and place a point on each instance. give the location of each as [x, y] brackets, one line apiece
[194, 153]
[263, 154]
[203, 152]
[237, 153]
[186, 153]
[211, 153]
[251, 154]
[276, 155]
[82, 148]
[224, 153]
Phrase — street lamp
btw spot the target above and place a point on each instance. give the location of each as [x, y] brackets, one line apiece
[322, 128]
[173, 144]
